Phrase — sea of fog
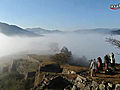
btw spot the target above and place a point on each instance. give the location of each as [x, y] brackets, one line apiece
[88, 45]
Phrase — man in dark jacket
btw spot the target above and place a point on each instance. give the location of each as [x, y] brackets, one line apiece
[106, 61]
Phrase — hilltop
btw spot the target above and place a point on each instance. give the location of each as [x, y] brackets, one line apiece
[13, 30]
[39, 72]
[43, 31]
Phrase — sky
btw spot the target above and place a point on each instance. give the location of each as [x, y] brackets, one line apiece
[60, 14]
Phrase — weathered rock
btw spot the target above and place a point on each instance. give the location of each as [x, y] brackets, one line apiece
[68, 87]
[82, 83]
[94, 85]
[117, 87]
[74, 87]
[23, 66]
[87, 88]
[109, 86]
[102, 86]
[66, 71]
[80, 78]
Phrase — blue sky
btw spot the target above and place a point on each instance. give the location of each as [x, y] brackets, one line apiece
[60, 14]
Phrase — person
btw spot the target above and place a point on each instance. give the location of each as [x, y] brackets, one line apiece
[100, 67]
[106, 61]
[92, 68]
[112, 60]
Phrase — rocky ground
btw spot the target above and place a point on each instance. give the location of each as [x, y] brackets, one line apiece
[39, 72]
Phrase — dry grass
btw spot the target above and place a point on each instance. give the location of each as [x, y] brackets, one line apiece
[38, 78]
[70, 76]
[46, 63]
[74, 68]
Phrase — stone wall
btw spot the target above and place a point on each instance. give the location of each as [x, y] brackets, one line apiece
[51, 68]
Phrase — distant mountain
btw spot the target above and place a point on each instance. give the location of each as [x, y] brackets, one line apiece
[97, 30]
[13, 30]
[42, 31]
[116, 32]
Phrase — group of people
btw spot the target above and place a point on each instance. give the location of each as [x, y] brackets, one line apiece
[96, 67]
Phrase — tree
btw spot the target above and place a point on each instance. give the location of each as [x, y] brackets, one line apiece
[63, 56]
[65, 51]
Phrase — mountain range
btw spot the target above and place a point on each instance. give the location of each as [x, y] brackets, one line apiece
[99, 30]
[13, 30]
[116, 32]
[42, 31]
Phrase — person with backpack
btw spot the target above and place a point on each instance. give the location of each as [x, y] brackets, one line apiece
[93, 68]
[106, 61]
[100, 66]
